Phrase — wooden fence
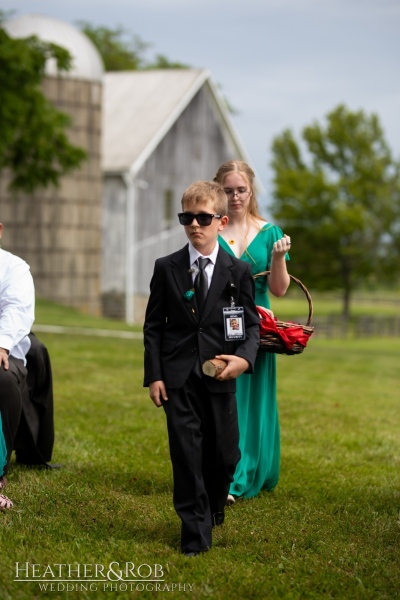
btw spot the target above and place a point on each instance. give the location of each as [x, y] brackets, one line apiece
[335, 326]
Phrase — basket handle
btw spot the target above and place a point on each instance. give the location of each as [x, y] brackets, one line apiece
[302, 286]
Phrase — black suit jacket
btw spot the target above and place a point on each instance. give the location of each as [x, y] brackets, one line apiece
[175, 335]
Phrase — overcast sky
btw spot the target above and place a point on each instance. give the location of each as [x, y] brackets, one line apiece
[280, 63]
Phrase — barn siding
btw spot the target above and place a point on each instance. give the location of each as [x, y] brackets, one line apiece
[193, 149]
[113, 247]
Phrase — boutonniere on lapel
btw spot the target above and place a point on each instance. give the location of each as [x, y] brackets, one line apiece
[188, 295]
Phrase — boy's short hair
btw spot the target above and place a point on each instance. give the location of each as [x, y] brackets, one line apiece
[201, 191]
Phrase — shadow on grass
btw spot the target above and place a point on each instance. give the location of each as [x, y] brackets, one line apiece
[137, 482]
[94, 502]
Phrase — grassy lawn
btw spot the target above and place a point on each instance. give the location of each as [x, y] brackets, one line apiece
[55, 314]
[295, 303]
[331, 528]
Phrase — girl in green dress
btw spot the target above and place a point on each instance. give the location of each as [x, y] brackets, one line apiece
[249, 237]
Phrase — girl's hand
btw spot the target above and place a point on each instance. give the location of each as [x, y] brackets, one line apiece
[281, 246]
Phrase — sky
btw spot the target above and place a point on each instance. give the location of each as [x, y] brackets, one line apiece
[280, 63]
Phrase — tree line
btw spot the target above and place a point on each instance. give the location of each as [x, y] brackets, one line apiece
[339, 199]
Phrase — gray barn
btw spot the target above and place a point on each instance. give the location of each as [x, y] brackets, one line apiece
[162, 130]
[148, 135]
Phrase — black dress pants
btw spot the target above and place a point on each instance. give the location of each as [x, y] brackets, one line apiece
[34, 441]
[12, 382]
[204, 446]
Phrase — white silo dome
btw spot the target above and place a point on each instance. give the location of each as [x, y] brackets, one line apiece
[86, 60]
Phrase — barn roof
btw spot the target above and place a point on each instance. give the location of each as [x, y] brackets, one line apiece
[148, 103]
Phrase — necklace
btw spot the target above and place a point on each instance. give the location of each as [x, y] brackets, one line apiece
[242, 233]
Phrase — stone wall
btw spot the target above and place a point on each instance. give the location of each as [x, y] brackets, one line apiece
[58, 230]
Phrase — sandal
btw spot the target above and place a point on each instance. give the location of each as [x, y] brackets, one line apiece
[5, 502]
[3, 482]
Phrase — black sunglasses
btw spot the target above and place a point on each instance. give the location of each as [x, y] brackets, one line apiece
[203, 219]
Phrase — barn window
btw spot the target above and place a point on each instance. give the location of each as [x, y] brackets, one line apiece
[168, 209]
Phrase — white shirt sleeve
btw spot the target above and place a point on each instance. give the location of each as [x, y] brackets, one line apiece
[17, 306]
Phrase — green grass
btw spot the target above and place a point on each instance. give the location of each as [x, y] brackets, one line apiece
[331, 528]
[55, 314]
[295, 303]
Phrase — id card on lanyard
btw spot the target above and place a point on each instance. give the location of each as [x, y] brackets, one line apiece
[234, 323]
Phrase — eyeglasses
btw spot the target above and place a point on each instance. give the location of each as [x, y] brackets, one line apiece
[239, 192]
[203, 219]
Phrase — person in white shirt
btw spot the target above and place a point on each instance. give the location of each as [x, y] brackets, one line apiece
[17, 314]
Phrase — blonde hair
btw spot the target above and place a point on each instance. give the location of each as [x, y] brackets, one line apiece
[201, 191]
[239, 166]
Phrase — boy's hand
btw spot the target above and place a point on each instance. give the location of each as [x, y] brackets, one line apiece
[235, 367]
[157, 392]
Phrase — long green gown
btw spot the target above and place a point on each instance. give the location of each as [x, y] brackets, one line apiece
[259, 430]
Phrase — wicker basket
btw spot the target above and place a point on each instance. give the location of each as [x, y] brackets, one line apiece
[272, 342]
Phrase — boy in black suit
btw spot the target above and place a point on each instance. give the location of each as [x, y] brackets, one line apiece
[182, 330]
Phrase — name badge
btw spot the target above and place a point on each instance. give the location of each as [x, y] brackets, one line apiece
[234, 323]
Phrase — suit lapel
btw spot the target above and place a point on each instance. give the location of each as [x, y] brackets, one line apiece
[180, 266]
[220, 280]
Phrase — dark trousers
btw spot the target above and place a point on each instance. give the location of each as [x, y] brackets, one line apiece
[12, 384]
[34, 441]
[204, 445]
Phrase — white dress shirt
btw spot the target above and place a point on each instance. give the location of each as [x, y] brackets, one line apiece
[17, 304]
[209, 270]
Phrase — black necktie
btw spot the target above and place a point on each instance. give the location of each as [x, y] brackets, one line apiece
[201, 282]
